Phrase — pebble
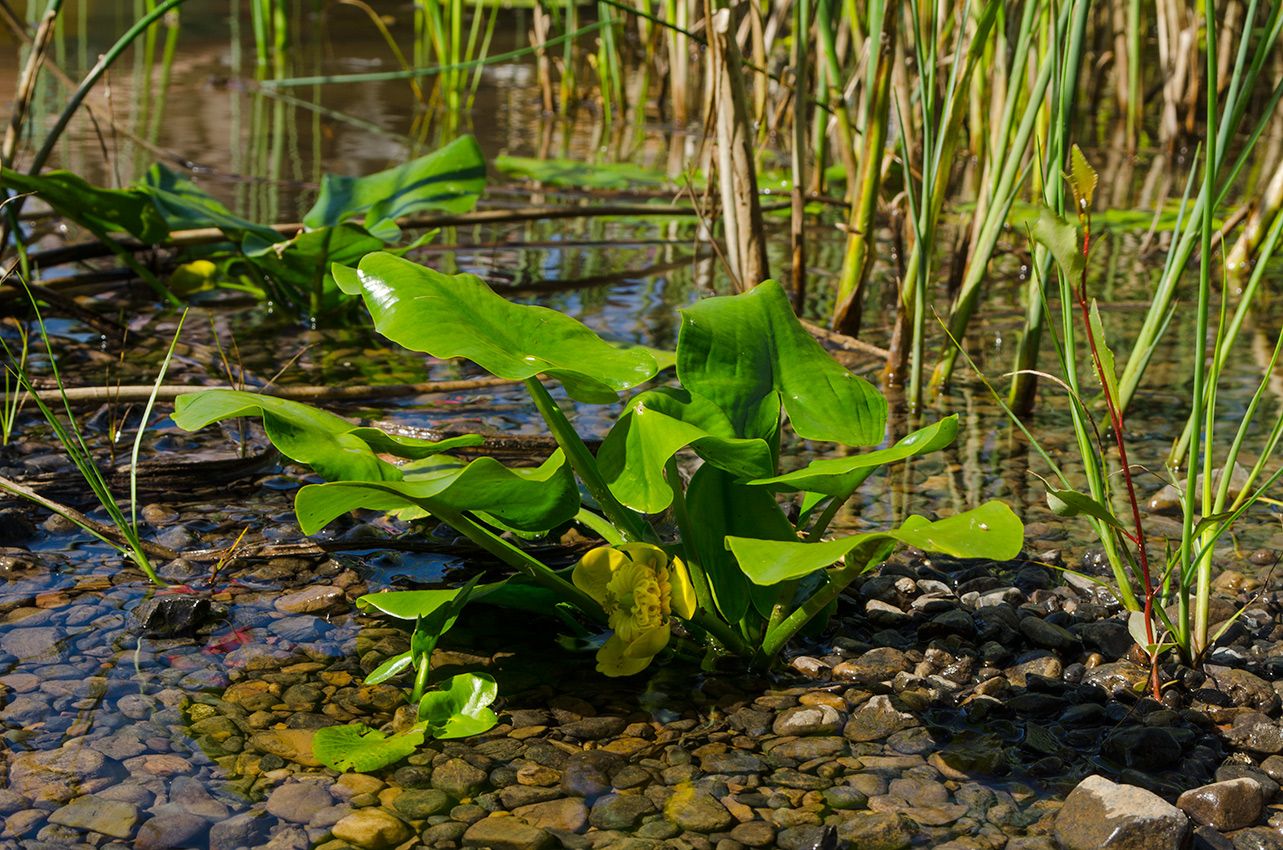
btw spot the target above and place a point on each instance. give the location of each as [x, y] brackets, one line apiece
[1102, 815]
[372, 829]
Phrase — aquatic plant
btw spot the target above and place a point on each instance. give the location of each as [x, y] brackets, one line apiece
[744, 363]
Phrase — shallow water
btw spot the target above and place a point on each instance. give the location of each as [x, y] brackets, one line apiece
[79, 673]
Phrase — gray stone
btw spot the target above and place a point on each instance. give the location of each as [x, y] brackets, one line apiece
[172, 830]
[886, 831]
[312, 600]
[297, 802]
[1245, 689]
[805, 749]
[1101, 815]
[507, 833]
[190, 795]
[732, 762]
[1225, 806]
[72, 764]
[459, 779]
[876, 665]
[1142, 747]
[422, 803]
[568, 814]
[620, 811]
[372, 829]
[588, 773]
[29, 643]
[697, 811]
[1261, 736]
[243, 830]
[93, 814]
[877, 718]
[809, 720]
[1117, 677]
[1049, 635]
[1258, 838]
[594, 728]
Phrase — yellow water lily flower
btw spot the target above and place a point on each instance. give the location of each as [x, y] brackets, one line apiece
[640, 589]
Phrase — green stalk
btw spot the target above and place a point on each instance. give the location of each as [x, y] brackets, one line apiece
[629, 522]
[522, 562]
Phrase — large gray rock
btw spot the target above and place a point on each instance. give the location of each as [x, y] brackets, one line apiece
[506, 833]
[1101, 815]
[1226, 806]
[877, 718]
[372, 829]
[92, 814]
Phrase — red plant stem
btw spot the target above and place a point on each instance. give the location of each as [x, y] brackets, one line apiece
[1116, 420]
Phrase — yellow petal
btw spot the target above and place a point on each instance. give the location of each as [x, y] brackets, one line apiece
[612, 661]
[594, 570]
[648, 643]
[644, 553]
[683, 592]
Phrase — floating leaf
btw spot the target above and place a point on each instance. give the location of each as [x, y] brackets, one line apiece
[450, 179]
[459, 706]
[654, 426]
[528, 499]
[840, 476]
[111, 210]
[334, 447]
[989, 531]
[459, 316]
[748, 353]
[358, 747]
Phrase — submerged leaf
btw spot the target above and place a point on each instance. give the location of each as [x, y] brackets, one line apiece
[459, 707]
[358, 747]
[459, 316]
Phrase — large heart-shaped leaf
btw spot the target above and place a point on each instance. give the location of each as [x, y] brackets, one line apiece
[989, 531]
[450, 179]
[654, 426]
[459, 706]
[111, 210]
[334, 447]
[358, 747]
[526, 499]
[459, 316]
[840, 476]
[748, 353]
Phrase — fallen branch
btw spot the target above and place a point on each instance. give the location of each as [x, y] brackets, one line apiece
[139, 393]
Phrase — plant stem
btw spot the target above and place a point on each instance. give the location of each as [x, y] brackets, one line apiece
[627, 521]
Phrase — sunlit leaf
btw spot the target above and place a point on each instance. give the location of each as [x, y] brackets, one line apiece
[1082, 179]
[459, 706]
[1069, 503]
[989, 531]
[654, 426]
[450, 179]
[840, 476]
[529, 499]
[748, 353]
[389, 668]
[459, 316]
[1061, 239]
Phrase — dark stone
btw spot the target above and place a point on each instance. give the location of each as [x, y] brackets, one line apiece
[1142, 747]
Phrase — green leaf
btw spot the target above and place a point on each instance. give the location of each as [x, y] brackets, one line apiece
[389, 668]
[459, 316]
[186, 206]
[459, 706]
[1104, 352]
[112, 210]
[413, 604]
[1061, 239]
[358, 747]
[302, 433]
[720, 507]
[654, 426]
[989, 531]
[450, 179]
[580, 175]
[528, 499]
[1072, 503]
[748, 353]
[840, 476]
[306, 257]
[1082, 180]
